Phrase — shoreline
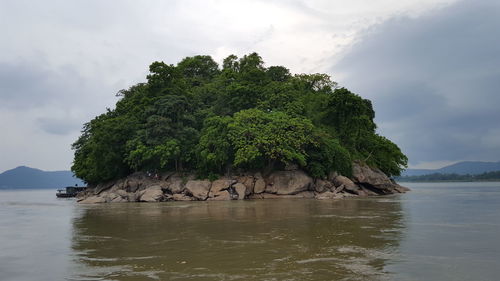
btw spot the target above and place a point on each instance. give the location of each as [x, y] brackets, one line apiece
[171, 186]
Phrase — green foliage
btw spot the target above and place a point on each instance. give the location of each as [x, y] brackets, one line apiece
[197, 116]
[214, 149]
[384, 154]
[260, 137]
[326, 154]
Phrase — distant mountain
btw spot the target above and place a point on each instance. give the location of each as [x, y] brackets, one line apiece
[26, 177]
[460, 168]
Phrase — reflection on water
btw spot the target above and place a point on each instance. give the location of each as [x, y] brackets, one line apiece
[237, 240]
[438, 231]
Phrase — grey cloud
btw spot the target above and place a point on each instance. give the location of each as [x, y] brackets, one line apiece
[434, 81]
[59, 126]
[21, 85]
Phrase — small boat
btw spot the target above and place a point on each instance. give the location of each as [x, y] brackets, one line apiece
[70, 191]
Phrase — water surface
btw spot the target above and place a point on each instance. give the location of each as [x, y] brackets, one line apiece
[439, 231]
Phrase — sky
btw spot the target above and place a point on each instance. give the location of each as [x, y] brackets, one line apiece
[429, 67]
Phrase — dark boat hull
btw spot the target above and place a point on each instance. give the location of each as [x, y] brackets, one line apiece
[65, 195]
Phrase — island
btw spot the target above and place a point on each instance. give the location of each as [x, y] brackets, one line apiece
[200, 131]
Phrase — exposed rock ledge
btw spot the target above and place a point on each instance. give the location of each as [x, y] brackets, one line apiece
[139, 187]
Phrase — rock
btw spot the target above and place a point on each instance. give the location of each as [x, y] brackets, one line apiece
[341, 180]
[348, 184]
[339, 189]
[219, 186]
[240, 190]
[288, 182]
[93, 200]
[369, 192]
[198, 188]
[221, 196]
[152, 194]
[119, 199]
[260, 184]
[248, 182]
[364, 174]
[109, 196]
[401, 189]
[122, 193]
[132, 184]
[103, 186]
[182, 197]
[304, 194]
[322, 186]
[132, 196]
[375, 179]
[175, 184]
[328, 195]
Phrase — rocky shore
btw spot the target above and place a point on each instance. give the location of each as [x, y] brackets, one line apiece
[139, 187]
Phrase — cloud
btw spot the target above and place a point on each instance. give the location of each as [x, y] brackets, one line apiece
[434, 81]
[62, 61]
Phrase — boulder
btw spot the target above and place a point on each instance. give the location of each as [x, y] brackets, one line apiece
[341, 180]
[240, 190]
[132, 196]
[322, 186]
[364, 174]
[260, 184]
[175, 184]
[122, 193]
[221, 196]
[93, 200]
[103, 186]
[198, 188]
[109, 196]
[348, 184]
[288, 182]
[119, 199]
[152, 194]
[248, 182]
[132, 184]
[219, 186]
[375, 179]
[339, 189]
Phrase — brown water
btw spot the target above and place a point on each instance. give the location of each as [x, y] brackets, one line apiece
[428, 234]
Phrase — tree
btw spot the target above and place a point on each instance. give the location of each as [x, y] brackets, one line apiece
[197, 116]
[259, 137]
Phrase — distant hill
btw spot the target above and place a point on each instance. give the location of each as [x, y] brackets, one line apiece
[26, 177]
[460, 168]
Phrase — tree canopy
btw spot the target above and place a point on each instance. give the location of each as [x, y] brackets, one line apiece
[197, 116]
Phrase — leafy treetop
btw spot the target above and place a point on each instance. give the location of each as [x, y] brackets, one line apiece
[196, 116]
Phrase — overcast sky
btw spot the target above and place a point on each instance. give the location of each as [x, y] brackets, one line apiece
[431, 68]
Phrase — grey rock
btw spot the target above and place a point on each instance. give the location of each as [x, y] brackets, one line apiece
[322, 185]
[260, 184]
[198, 188]
[240, 190]
[288, 182]
[221, 196]
[151, 194]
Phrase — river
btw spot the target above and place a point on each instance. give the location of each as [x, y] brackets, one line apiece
[438, 231]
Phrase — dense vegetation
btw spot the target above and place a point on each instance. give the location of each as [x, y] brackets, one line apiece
[488, 176]
[196, 116]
